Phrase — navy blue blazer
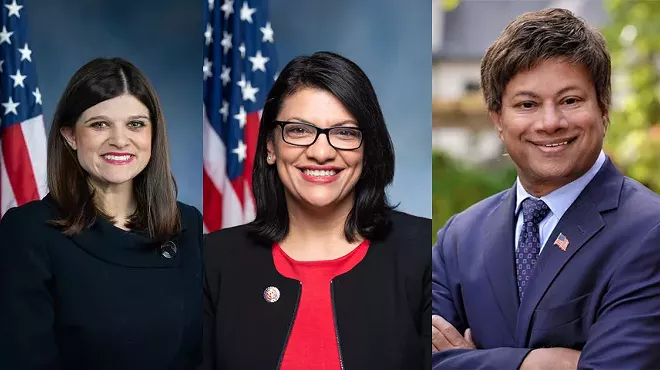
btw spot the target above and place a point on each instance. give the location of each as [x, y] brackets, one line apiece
[102, 299]
[601, 296]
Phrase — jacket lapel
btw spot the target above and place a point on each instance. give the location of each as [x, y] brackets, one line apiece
[499, 258]
[579, 224]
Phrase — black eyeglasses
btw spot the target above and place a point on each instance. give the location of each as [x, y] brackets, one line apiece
[304, 134]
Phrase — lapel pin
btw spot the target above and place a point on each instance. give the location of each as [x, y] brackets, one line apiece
[168, 250]
[271, 294]
[561, 242]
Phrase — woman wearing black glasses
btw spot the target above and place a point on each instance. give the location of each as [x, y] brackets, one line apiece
[328, 275]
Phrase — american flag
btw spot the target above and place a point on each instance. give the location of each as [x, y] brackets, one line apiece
[22, 131]
[239, 70]
[562, 242]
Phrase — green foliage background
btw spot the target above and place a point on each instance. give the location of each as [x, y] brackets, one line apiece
[633, 138]
[456, 187]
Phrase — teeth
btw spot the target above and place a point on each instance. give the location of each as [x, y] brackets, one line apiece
[557, 144]
[320, 173]
[117, 157]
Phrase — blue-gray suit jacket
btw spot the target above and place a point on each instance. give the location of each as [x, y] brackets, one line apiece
[601, 296]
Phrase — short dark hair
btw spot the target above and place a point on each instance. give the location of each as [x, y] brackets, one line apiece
[349, 84]
[542, 35]
[155, 190]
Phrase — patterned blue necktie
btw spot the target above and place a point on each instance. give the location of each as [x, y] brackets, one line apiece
[529, 244]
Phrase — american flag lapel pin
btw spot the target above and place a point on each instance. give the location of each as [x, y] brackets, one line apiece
[562, 242]
[271, 294]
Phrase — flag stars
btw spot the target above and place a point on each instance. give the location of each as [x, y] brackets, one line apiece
[224, 76]
[227, 8]
[18, 79]
[241, 151]
[207, 68]
[247, 12]
[247, 89]
[10, 106]
[224, 110]
[241, 82]
[4, 36]
[259, 62]
[242, 50]
[226, 42]
[37, 96]
[241, 117]
[208, 34]
[14, 9]
[211, 5]
[267, 33]
[26, 53]
[249, 92]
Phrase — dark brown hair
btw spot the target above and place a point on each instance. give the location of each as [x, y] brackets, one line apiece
[339, 76]
[155, 190]
[542, 35]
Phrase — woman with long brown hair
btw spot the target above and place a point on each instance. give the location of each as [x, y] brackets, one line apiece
[328, 275]
[105, 271]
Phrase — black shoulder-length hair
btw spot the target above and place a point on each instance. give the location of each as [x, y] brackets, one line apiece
[99, 80]
[349, 84]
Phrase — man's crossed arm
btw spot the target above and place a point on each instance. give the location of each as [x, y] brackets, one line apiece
[445, 337]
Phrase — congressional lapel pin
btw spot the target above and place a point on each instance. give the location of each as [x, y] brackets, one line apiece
[271, 294]
[168, 250]
[562, 242]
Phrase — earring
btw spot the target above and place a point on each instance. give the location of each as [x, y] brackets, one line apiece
[270, 158]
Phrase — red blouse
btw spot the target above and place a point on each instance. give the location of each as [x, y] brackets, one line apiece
[312, 343]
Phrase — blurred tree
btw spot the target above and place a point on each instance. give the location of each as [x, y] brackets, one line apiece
[633, 138]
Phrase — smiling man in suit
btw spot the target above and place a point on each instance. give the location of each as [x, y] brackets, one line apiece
[562, 271]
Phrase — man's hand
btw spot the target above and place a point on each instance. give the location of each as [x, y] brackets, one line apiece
[551, 359]
[445, 336]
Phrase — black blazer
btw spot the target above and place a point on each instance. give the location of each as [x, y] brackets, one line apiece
[383, 305]
[98, 300]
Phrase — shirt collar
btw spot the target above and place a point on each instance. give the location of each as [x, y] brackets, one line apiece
[561, 199]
